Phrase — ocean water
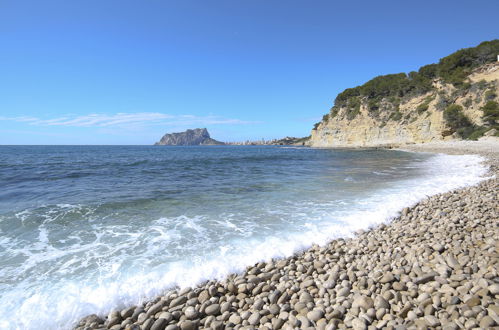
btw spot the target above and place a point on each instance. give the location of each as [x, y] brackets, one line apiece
[84, 229]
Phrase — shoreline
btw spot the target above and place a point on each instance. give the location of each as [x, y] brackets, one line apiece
[400, 273]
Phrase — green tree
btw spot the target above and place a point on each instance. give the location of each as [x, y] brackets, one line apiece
[457, 121]
[491, 113]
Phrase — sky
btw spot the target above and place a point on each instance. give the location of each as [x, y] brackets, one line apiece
[127, 72]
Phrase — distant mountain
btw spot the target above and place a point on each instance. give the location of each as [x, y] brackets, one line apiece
[191, 137]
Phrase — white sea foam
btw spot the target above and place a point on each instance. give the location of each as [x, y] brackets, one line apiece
[124, 281]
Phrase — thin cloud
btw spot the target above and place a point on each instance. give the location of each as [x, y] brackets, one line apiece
[127, 120]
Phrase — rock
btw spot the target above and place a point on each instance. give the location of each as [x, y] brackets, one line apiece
[487, 322]
[364, 302]
[277, 323]
[91, 319]
[137, 312]
[191, 313]
[217, 325]
[115, 319]
[306, 297]
[359, 324]
[470, 324]
[177, 302]
[380, 313]
[188, 325]
[490, 132]
[128, 312]
[405, 211]
[315, 315]
[308, 283]
[254, 319]
[304, 322]
[380, 302]
[438, 247]
[166, 315]
[473, 301]
[343, 292]
[258, 304]
[432, 321]
[224, 307]
[159, 324]
[494, 289]
[147, 324]
[274, 296]
[452, 261]
[155, 308]
[274, 309]
[235, 319]
[336, 314]
[191, 137]
[172, 327]
[399, 286]
[142, 318]
[425, 278]
[203, 296]
[212, 309]
[387, 278]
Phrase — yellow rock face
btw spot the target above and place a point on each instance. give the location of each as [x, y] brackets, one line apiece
[367, 131]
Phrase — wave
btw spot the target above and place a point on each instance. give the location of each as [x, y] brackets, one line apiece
[123, 280]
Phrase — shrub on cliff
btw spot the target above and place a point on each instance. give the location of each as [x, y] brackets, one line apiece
[457, 66]
[452, 69]
[353, 108]
[490, 95]
[457, 121]
[395, 116]
[491, 113]
[424, 106]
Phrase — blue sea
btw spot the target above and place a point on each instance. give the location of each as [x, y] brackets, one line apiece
[85, 229]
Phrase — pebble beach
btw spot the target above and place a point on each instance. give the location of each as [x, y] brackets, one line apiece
[435, 266]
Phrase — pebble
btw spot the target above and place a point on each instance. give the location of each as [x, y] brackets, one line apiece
[487, 322]
[191, 313]
[364, 302]
[159, 324]
[387, 278]
[494, 289]
[315, 315]
[212, 309]
[254, 319]
[188, 325]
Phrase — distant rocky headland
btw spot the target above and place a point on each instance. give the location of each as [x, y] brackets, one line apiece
[201, 137]
[191, 137]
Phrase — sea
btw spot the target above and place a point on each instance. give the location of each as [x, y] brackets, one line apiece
[87, 229]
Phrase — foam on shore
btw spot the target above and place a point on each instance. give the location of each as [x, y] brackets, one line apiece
[63, 304]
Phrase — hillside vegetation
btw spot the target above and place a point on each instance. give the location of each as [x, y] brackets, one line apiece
[441, 84]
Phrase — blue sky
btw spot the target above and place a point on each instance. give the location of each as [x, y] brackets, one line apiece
[126, 72]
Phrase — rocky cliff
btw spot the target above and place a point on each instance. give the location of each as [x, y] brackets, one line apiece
[191, 137]
[453, 99]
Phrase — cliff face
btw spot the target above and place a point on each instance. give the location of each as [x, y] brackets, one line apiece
[436, 109]
[191, 137]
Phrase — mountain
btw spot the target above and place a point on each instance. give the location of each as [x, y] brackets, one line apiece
[456, 98]
[191, 137]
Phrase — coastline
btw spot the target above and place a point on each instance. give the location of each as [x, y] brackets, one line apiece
[433, 266]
